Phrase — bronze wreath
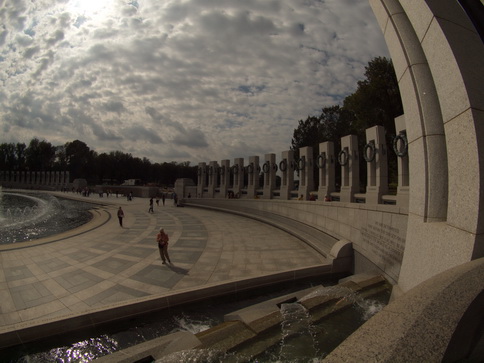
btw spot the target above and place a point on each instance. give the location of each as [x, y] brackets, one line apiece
[369, 146]
[343, 157]
[283, 165]
[266, 167]
[321, 161]
[402, 136]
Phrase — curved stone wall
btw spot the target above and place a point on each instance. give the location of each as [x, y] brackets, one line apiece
[438, 55]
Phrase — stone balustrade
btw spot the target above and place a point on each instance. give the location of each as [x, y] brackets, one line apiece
[34, 179]
[259, 179]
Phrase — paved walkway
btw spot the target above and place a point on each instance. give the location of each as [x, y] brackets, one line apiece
[102, 263]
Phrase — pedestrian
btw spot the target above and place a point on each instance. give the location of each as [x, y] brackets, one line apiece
[151, 206]
[163, 198]
[157, 201]
[120, 216]
[162, 239]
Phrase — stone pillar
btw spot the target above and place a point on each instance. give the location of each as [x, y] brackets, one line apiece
[269, 169]
[306, 172]
[201, 179]
[224, 178]
[326, 165]
[350, 169]
[400, 145]
[238, 171]
[286, 166]
[375, 154]
[253, 170]
[212, 178]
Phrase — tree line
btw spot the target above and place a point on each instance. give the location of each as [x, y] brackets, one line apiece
[82, 162]
[376, 101]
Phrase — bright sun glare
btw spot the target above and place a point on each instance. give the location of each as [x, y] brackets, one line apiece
[88, 7]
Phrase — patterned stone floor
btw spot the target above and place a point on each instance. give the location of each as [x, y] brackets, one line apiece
[102, 263]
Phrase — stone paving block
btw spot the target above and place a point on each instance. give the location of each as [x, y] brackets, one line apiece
[17, 273]
[113, 265]
[159, 276]
[137, 251]
[77, 280]
[113, 295]
[52, 264]
[188, 234]
[191, 243]
[82, 255]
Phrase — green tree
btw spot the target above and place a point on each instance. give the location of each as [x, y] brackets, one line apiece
[8, 159]
[80, 160]
[376, 100]
[40, 155]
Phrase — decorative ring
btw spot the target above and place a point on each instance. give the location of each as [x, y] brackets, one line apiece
[283, 165]
[343, 157]
[266, 167]
[402, 136]
[250, 168]
[235, 169]
[274, 167]
[321, 161]
[369, 146]
[301, 164]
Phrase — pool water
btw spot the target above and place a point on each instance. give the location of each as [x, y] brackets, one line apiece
[26, 217]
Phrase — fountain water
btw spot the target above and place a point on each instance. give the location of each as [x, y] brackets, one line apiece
[302, 338]
[28, 216]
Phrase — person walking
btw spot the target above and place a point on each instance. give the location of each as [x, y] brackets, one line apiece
[120, 216]
[151, 206]
[163, 198]
[162, 239]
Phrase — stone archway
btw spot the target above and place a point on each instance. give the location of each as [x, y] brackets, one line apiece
[438, 55]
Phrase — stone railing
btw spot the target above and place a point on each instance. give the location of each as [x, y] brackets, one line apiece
[34, 179]
[240, 180]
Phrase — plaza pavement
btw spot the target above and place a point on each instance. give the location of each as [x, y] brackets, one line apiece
[102, 265]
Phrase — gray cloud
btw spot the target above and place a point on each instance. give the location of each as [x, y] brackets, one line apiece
[181, 80]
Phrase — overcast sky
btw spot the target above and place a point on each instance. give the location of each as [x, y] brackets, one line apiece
[178, 80]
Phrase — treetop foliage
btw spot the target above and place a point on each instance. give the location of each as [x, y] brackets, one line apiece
[376, 101]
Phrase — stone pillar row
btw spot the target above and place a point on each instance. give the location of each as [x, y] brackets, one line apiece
[239, 180]
[34, 178]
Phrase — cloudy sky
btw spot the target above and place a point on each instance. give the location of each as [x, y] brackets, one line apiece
[178, 80]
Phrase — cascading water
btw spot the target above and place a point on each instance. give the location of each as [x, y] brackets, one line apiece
[298, 341]
[25, 216]
[306, 341]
